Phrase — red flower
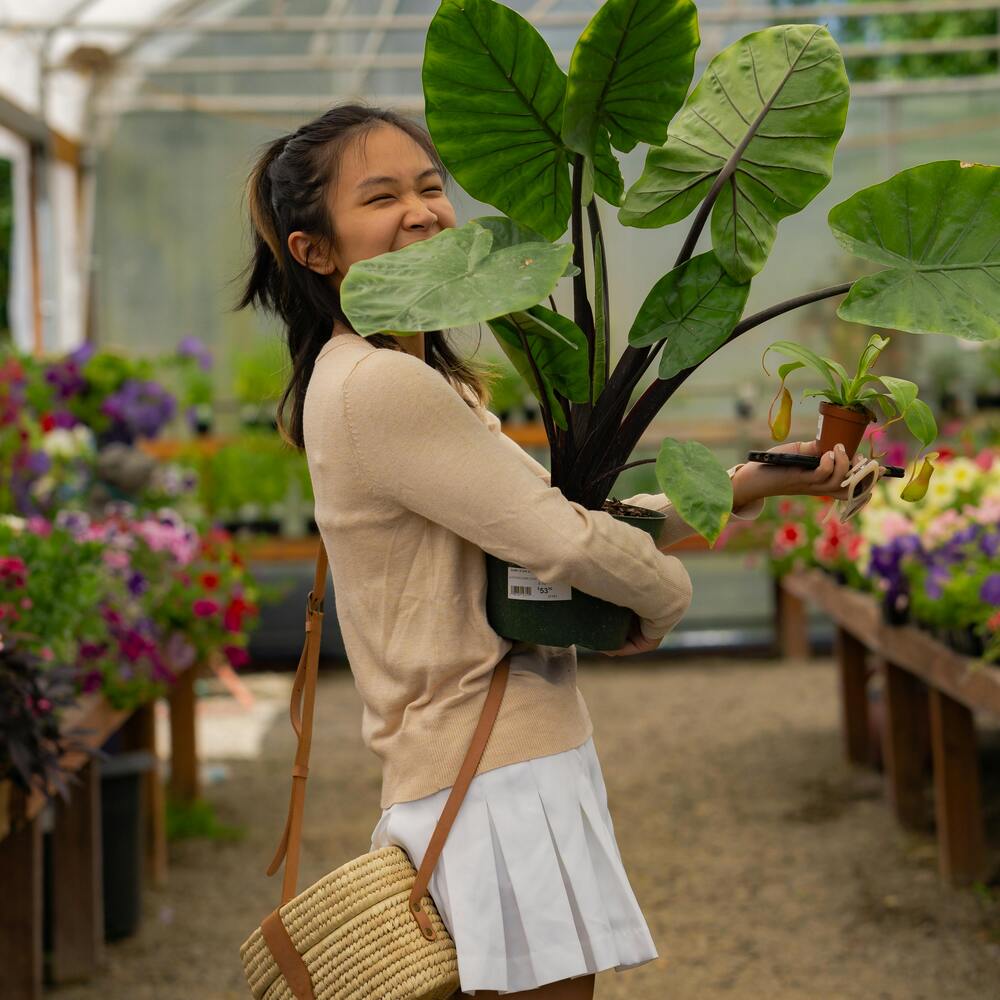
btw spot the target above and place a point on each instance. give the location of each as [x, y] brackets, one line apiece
[204, 608]
[785, 507]
[788, 536]
[236, 655]
[210, 580]
[48, 422]
[233, 618]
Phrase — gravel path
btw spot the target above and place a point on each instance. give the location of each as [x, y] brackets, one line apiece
[767, 869]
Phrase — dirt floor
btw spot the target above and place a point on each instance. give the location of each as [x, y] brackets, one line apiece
[767, 868]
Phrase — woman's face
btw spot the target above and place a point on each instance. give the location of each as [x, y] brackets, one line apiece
[388, 195]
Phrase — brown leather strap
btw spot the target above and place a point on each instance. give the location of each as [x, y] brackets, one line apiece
[301, 712]
[281, 946]
[498, 685]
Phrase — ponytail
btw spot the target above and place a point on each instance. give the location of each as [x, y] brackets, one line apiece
[286, 191]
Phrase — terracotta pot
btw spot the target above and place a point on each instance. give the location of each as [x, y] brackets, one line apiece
[841, 424]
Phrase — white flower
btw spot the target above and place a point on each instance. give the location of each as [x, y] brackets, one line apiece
[15, 523]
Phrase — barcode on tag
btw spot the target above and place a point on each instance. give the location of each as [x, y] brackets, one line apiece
[523, 585]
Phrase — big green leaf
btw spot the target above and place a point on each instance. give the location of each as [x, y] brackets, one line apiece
[936, 227]
[452, 279]
[507, 233]
[562, 360]
[903, 391]
[493, 102]
[766, 115]
[696, 484]
[630, 71]
[695, 306]
[608, 180]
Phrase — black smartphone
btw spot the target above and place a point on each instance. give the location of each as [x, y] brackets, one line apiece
[807, 462]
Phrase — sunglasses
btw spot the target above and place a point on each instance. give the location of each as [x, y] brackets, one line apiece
[860, 482]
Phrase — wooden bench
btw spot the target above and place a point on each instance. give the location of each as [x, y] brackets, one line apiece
[930, 695]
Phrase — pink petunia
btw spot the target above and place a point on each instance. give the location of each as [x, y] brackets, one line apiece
[205, 608]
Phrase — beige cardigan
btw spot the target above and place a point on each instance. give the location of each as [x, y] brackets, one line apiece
[412, 484]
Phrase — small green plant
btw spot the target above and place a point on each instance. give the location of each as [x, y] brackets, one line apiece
[897, 397]
[186, 820]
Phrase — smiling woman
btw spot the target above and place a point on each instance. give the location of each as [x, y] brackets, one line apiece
[352, 184]
[414, 482]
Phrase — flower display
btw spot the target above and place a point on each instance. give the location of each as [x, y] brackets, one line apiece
[165, 595]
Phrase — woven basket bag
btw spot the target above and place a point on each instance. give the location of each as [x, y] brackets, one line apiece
[368, 930]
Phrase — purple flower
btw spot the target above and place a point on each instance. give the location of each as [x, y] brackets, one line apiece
[192, 347]
[989, 544]
[65, 378]
[990, 590]
[81, 355]
[140, 408]
[38, 462]
[137, 583]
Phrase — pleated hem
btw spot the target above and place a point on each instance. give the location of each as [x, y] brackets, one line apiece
[530, 884]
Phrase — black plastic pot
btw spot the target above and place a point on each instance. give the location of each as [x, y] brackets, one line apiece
[122, 839]
[579, 620]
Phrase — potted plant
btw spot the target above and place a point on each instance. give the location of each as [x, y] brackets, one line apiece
[848, 405]
[258, 384]
[752, 143]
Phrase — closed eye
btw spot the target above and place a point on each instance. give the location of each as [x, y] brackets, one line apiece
[381, 196]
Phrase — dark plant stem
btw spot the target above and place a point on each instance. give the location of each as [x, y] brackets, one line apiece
[652, 400]
[597, 239]
[552, 302]
[550, 427]
[583, 316]
[631, 465]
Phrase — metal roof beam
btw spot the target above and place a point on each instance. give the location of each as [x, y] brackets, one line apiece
[419, 22]
[414, 60]
[307, 104]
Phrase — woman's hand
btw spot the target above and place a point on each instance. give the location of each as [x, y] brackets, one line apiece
[635, 642]
[760, 480]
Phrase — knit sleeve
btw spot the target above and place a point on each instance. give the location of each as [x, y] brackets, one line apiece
[418, 444]
[674, 529]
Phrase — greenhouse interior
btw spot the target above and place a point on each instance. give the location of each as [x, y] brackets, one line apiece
[726, 628]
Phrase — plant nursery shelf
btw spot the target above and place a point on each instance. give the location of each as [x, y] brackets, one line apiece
[75, 906]
[930, 693]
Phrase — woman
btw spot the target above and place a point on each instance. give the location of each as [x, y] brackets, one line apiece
[413, 481]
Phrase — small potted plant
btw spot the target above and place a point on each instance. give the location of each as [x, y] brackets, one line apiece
[849, 401]
[752, 143]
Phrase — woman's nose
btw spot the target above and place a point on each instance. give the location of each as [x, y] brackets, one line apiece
[419, 215]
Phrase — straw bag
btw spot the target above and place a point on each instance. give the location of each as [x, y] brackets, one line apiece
[369, 930]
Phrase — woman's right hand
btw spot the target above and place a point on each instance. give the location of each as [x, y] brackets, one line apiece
[635, 642]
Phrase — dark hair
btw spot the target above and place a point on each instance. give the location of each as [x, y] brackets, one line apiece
[286, 191]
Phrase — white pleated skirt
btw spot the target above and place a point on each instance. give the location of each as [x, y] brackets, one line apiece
[530, 883]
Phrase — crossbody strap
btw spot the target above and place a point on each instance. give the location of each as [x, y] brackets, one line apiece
[301, 712]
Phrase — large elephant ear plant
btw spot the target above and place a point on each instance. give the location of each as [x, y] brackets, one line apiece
[752, 143]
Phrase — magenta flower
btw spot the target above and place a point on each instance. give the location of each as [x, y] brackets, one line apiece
[205, 608]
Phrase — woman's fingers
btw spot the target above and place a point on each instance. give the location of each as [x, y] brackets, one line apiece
[833, 469]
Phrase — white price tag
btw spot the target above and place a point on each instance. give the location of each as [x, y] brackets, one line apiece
[523, 585]
[819, 427]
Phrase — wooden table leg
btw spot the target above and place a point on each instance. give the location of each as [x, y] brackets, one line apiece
[185, 785]
[140, 734]
[791, 623]
[77, 883]
[21, 910]
[851, 656]
[957, 799]
[905, 744]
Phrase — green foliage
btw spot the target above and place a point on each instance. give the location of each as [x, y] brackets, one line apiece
[452, 279]
[897, 401]
[935, 227]
[630, 72]
[259, 372]
[187, 820]
[912, 27]
[699, 487]
[766, 117]
[693, 308]
[753, 143]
